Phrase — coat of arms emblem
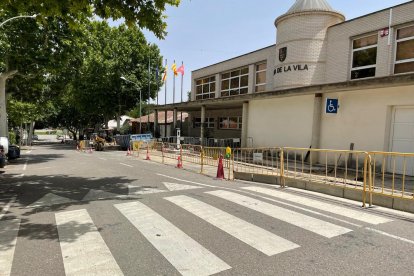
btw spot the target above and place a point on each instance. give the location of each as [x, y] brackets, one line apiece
[282, 54]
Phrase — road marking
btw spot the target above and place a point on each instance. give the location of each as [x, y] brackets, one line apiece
[314, 225]
[25, 165]
[259, 238]
[84, 251]
[389, 235]
[104, 159]
[100, 194]
[184, 253]
[178, 187]
[9, 230]
[50, 199]
[328, 207]
[126, 165]
[7, 207]
[187, 181]
[30, 151]
[140, 190]
[270, 199]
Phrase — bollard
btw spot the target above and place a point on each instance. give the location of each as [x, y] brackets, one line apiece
[220, 168]
[148, 155]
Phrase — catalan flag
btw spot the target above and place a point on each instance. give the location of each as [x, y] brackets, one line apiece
[174, 68]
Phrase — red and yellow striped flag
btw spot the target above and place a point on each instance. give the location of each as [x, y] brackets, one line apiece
[174, 68]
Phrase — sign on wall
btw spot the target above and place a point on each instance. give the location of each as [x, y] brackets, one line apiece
[332, 106]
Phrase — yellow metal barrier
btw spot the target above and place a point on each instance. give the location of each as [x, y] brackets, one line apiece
[387, 174]
[392, 175]
[342, 168]
[264, 161]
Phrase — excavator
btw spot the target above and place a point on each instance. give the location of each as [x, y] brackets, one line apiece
[102, 139]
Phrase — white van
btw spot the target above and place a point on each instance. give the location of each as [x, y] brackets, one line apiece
[4, 141]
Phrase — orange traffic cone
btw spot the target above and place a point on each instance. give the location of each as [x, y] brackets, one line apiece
[220, 168]
[180, 163]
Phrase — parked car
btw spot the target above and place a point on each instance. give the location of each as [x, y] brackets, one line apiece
[2, 157]
[14, 152]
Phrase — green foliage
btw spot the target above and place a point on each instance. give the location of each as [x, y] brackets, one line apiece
[12, 137]
[145, 110]
[144, 14]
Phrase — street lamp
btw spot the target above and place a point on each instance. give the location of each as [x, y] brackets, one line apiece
[20, 16]
[140, 98]
[3, 77]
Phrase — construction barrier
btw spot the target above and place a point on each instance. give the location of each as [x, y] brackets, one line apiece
[365, 175]
[391, 175]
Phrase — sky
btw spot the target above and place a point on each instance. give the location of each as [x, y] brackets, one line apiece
[204, 32]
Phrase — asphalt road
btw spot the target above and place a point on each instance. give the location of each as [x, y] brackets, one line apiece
[68, 213]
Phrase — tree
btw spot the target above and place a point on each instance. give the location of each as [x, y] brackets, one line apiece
[114, 52]
[34, 55]
[144, 14]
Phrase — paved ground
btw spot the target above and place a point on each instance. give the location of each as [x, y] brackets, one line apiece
[64, 212]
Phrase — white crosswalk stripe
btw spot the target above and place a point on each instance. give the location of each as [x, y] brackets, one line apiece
[264, 241]
[328, 207]
[84, 251]
[314, 225]
[8, 238]
[184, 253]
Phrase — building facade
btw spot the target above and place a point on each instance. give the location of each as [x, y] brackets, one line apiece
[325, 83]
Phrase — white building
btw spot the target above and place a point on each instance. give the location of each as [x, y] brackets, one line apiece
[326, 83]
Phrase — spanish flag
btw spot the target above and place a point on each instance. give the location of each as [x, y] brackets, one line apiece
[174, 68]
[164, 76]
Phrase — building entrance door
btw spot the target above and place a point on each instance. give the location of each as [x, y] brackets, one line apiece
[402, 139]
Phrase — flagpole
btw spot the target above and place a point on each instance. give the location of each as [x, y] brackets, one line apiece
[182, 79]
[157, 78]
[149, 93]
[174, 87]
[165, 111]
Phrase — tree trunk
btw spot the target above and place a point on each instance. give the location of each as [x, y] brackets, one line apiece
[30, 134]
[118, 122]
[4, 132]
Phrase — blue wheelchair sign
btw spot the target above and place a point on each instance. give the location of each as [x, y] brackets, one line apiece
[332, 106]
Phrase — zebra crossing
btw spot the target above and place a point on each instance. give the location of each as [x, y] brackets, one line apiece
[85, 252]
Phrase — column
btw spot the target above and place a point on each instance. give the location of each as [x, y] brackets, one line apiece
[252, 78]
[218, 86]
[175, 119]
[245, 119]
[203, 119]
[165, 123]
[156, 123]
[316, 125]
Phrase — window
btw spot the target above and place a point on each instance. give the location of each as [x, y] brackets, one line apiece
[206, 88]
[209, 123]
[235, 82]
[404, 59]
[364, 57]
[261, 77]
[230, 122]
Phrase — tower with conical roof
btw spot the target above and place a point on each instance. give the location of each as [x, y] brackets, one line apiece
[301, 43]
